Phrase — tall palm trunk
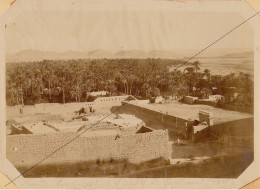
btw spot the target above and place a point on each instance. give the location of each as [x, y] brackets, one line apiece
[17, 99]
[49, 89]
[63, 95]
[22, 96]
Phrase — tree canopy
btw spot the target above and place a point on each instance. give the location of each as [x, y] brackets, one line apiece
[72, 80]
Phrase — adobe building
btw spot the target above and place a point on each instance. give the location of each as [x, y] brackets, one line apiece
[199, 129]
[110, 139]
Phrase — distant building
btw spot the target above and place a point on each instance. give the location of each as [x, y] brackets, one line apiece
[197, 130]
[118, 139]
[189, 99]
[159, 99]
[216, 97]
[98, 93]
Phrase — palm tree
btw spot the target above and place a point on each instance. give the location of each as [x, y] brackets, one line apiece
[196, 66]
[190, 78]
[207, 74]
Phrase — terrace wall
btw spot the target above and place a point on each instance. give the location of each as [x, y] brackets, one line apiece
[27, 150]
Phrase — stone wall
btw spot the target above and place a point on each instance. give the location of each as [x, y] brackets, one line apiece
[27, 150]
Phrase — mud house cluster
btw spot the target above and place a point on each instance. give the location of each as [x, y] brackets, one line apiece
[122, 137]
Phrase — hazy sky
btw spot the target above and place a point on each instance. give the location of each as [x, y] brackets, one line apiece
[118, 30]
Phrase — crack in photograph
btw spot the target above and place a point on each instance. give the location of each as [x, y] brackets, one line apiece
[119, 94]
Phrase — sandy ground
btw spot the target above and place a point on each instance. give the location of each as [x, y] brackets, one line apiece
[225, 166]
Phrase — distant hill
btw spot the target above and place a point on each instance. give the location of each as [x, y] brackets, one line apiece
[99, 53]
[239, 55]
[131, 54]
[36, 55]
[168, 54]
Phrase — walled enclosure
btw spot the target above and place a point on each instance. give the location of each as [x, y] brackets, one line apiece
[27, 150]
[169, 122]
[47, 107]
[228, 132]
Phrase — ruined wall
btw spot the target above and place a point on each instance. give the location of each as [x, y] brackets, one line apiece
[27, 150]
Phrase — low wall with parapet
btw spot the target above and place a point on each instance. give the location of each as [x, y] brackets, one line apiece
[27, 150]
[166, 121]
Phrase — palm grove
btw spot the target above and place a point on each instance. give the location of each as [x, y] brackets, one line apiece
[72, 80]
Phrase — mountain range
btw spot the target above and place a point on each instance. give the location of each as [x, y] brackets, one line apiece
[36, 55]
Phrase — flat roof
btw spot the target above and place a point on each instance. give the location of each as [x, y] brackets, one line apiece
[186, 111]
[107, 126]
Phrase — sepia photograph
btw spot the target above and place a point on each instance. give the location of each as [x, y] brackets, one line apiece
[151, 92]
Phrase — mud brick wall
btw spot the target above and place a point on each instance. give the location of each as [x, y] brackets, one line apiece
[27, 150]
[110, 99]
[238, 140]
[189, 99]
[239, 132]
[169, 122]
[241, 127]
[206, 116]
[50, 107]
